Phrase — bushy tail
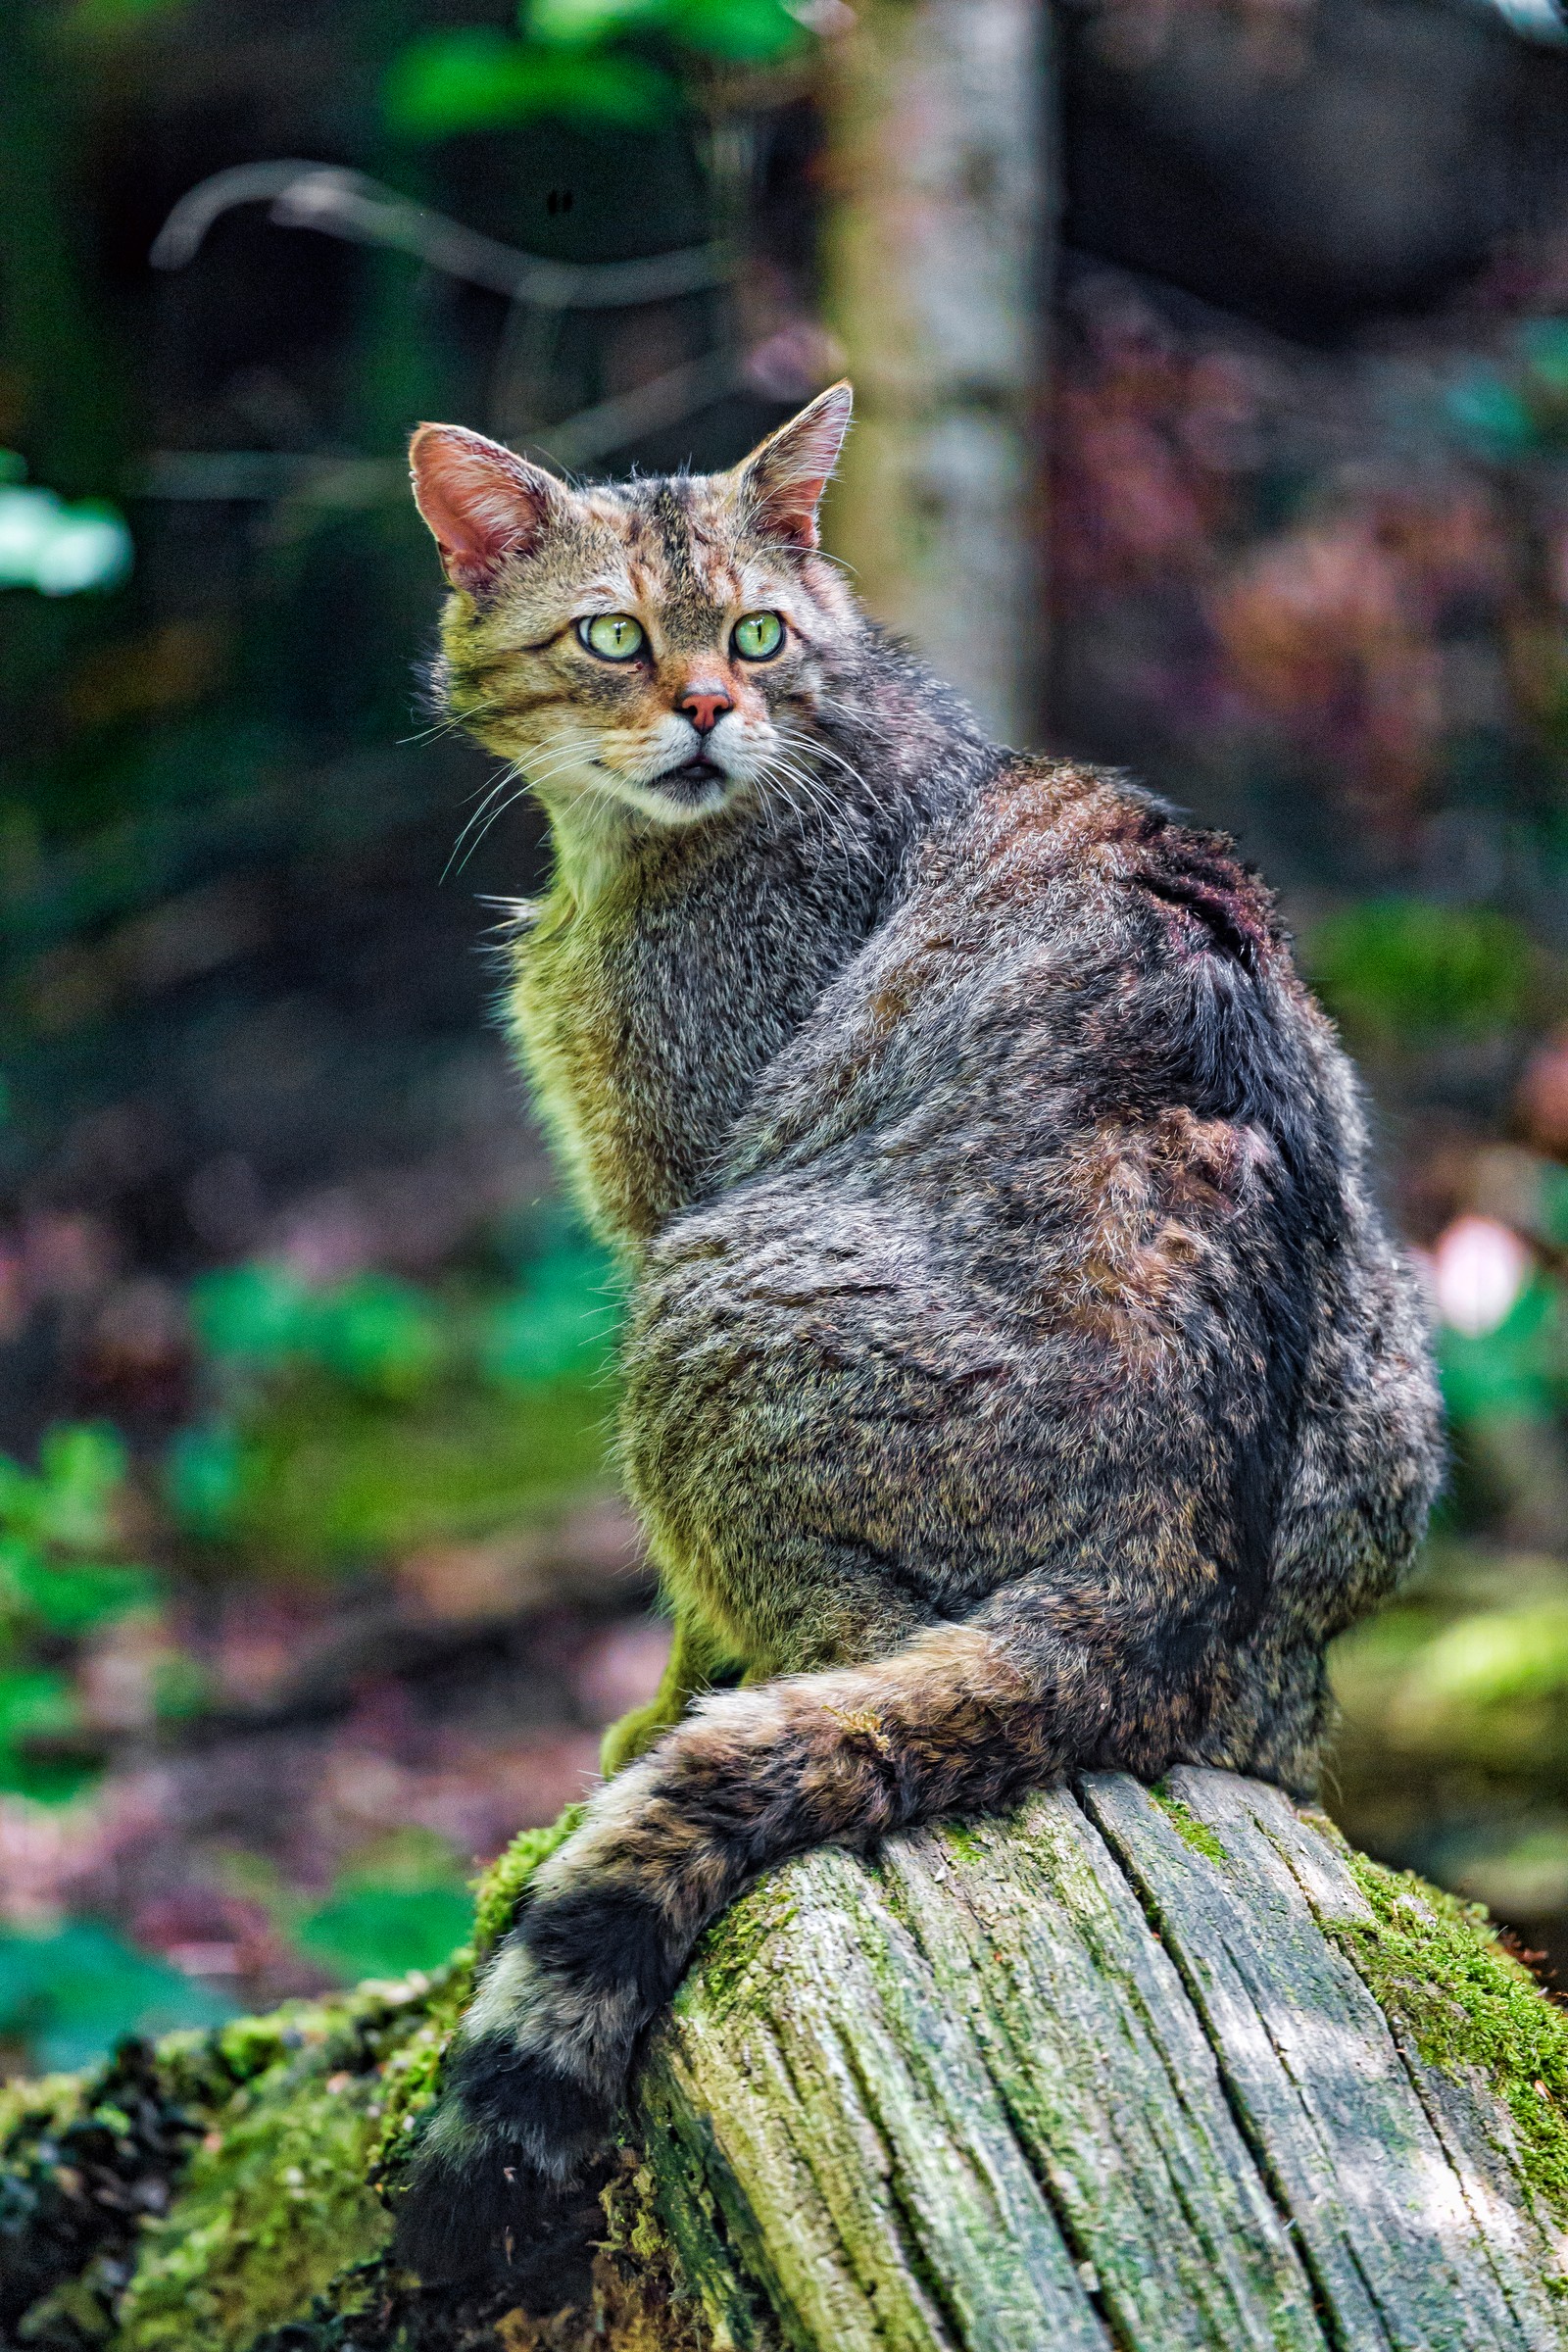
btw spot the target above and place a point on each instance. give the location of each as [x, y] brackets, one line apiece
[947, 1724]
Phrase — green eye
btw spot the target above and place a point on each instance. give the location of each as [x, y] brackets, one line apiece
[757, 635]
[614, 636]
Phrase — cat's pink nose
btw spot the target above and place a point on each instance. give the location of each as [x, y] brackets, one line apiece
[704, 706]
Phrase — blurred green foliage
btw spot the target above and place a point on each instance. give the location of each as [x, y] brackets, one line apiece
[352, 1420]
[1455, 1746]
[1398, 972]
[1519, 1369]
[318, 1480]
[478, 79]
[1515, 407]
[68, 1994]
[598, 63]
[56, 1589]
[52, 546]
[402, 1904]
[88, 17]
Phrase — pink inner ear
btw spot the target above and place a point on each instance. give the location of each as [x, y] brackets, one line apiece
[789, 473]
[481, 502]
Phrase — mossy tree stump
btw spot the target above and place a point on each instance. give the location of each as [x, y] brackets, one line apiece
[1129, 2072]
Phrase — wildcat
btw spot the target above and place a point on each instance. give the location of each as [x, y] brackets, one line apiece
[1018, 1375]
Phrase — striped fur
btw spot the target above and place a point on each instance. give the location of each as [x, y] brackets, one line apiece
[1019, 1376]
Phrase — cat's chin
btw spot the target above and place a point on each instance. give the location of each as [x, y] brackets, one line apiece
[679, 796]
[696, 784]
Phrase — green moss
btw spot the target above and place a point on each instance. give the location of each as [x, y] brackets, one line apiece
[275, 2203]
[696, 2229]
[1186, 1825]
[964, 1840]
[644, 2301]
[34, 2108]
[502, 1886]
[723, 1963]
[1435, 1964]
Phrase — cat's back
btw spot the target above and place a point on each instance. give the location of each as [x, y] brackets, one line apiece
[1065, 955]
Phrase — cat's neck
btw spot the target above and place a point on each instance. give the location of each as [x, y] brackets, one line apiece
[667, 967]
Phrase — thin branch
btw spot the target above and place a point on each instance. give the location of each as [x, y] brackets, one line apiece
[346, 204]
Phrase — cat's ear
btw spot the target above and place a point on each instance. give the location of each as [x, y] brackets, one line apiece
[781, 483]
[481, 502]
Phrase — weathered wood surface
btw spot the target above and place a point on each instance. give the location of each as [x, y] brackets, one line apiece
[1131, 2071]
[1095, 2078]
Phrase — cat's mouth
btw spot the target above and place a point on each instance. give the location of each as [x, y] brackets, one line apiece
[693, 779]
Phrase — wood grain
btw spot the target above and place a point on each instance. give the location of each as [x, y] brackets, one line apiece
[1100, 2075]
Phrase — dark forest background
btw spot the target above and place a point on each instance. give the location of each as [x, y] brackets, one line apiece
[313, 1582]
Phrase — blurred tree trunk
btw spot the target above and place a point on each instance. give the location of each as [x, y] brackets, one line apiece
[942, 189]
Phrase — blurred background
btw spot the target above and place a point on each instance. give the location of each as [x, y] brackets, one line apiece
[1212, 362]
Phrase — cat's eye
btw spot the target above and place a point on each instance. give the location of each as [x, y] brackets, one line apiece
[757, 635]
[614, 636]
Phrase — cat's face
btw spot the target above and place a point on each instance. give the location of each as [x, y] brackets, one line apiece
[645, 650]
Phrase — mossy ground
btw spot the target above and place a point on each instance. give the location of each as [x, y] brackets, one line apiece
[273, 2206]
[224, 2185]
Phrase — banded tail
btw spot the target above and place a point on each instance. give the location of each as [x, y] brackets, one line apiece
[950, 1723]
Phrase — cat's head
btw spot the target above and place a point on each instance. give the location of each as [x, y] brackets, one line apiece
[659, 647]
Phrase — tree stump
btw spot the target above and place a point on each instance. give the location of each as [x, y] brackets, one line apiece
[1130, 2071]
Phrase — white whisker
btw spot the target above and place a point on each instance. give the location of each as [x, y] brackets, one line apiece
[451, 721]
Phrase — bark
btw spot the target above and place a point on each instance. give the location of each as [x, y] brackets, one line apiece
[1130, 2071]
[941, 175]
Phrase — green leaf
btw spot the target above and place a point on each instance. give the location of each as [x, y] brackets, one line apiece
[405, 1906]
[82, 1468]
[378, 1333]
[479, 80]
[257, 1314]
[206, 1478]
[20, 1493]
[741, 31]
[1512, 1371]
[1490, 415]
[36, 1701]
[581, 23]
[744, 31]
[559, 1321]
[72, 1994]
[73, 1596]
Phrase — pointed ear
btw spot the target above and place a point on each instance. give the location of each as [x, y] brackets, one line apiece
[481, 502]
[782, 481]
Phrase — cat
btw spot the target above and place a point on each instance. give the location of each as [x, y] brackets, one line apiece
[1018, 1375]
